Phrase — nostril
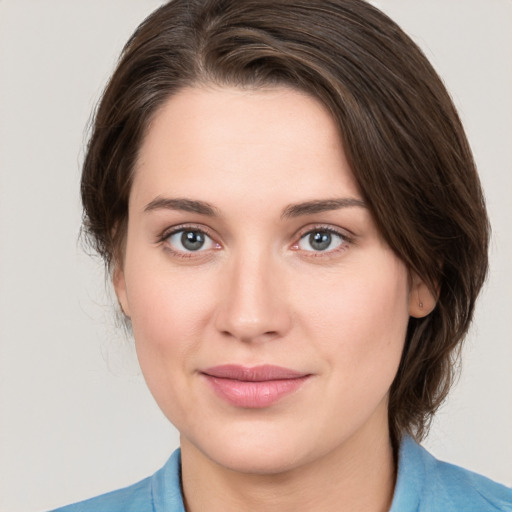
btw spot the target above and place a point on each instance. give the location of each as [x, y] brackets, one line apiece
[250, 336]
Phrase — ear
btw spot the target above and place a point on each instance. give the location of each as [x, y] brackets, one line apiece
[422, 300]
[119, 282]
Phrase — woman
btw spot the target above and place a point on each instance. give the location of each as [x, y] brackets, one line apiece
[295, 230]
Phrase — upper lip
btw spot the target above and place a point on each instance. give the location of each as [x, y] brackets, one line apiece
[260, 373]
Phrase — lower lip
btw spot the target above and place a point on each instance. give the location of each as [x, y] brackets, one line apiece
[254, 395]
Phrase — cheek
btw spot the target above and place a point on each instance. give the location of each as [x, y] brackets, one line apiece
[360, 318]
[169, 316]
[169, 310]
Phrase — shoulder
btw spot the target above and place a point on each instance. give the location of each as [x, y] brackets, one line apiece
[425, 483]
[136, 497]
[159, 492]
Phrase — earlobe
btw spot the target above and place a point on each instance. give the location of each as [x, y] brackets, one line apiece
[119, 282]
[422, 301]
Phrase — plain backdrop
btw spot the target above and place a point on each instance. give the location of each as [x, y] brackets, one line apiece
[75, 416]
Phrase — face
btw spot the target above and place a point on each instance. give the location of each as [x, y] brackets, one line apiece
[269, 316]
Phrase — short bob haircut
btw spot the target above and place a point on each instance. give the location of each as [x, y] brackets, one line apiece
[398, 126]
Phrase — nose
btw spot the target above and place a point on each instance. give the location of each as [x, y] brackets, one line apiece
[253, 305]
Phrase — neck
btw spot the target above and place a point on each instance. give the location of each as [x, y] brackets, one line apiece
[360, 475]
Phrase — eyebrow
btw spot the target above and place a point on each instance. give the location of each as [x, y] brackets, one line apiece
[186, 205]
[319, 206]
[291, 211]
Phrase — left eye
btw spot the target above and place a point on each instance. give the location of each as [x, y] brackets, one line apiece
[190, 240]
[320, 240]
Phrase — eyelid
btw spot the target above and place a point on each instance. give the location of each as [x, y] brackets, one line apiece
[346, 234]
[167, 232]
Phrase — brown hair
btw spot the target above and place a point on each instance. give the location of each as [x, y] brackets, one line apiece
[399, 128]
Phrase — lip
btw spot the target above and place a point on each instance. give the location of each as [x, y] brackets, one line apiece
[253, 387]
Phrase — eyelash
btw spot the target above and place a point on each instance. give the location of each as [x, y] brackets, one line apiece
[345, 240]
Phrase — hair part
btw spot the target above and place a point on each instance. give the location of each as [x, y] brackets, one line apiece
[399, 128]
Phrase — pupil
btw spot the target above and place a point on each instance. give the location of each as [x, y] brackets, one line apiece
[320, 241]
[192, 240]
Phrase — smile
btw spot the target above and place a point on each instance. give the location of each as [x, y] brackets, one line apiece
[253, 387]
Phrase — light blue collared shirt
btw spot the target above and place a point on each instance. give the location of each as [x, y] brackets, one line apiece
[424, 484]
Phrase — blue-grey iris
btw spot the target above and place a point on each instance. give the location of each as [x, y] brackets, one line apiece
[320, 241]
[192, 240]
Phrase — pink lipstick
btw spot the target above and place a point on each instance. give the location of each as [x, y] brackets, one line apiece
[253, 387]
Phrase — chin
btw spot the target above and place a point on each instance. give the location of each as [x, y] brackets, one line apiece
[257, 461]
[261, 450]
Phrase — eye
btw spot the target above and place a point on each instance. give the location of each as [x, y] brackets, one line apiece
[190, 240]
[320, 240]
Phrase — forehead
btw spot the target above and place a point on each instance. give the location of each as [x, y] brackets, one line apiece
[246, 141]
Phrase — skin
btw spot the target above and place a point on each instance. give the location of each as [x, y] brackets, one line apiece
[259, 293]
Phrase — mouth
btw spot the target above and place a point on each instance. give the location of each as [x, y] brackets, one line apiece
[253, 387]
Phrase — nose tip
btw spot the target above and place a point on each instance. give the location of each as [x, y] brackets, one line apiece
[253, 306]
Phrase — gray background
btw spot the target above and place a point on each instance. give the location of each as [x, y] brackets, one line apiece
[75, 416]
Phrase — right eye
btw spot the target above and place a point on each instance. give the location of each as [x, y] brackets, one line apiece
[190, 240]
